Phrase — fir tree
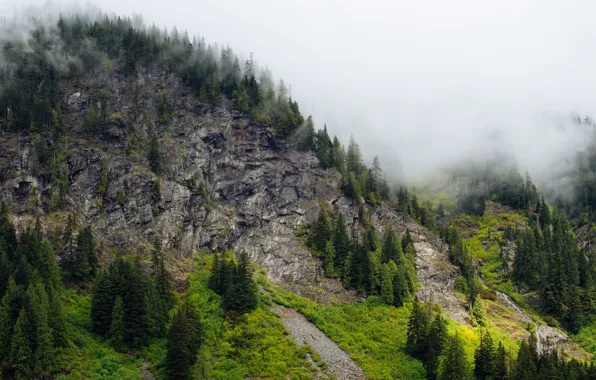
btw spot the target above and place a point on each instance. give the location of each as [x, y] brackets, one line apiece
[437, 337]
[161, 277]
[306, 139]
[57, 319]
[102, 303]
[194, 322]
[484, 357]
[117, 332]
[455, 365]
[341, 242]
[330, 260]
[321, 232]
[179, 358]
[391, 249]
[6, 325]
[501, 370]
[387, 273]
[354, 158]
[401, 289]
[21, 353]
[241, 296]
[525, 366]
[417, 335]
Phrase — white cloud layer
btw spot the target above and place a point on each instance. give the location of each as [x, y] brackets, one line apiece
[421, 83]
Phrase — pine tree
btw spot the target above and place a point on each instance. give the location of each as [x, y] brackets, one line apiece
[117, 333]
[44, 354]
[85, 259]
[306, 140]
[401, 289]
[57, 319]
[241, 296]
[391, 249]
[484, 357]
[354, 158]
[455, 365]
[102, 304]
[240, 100]
[179, 358]
[387, 273]
[194, 322]
[407, 243]
[417, 340]
[437, 337]
[321, 232]
[525, 366]
[161, 277]
[330, 260]
[6, 324]
[501, 368]
[21, 353]
[341, 242]
[339, 156]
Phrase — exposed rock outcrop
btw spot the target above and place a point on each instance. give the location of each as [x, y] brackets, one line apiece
[227, 183]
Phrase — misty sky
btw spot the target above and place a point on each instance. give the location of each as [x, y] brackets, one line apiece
[422, 81]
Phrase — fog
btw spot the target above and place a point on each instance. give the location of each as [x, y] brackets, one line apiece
[423, 84]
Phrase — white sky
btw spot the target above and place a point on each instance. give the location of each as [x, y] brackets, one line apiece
[423, 81]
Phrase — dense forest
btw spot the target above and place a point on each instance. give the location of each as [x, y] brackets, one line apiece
[133, 304]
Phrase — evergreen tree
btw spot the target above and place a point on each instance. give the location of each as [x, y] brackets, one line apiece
[194, 322]
[407, 242]
[455, 365]
[21, 353]
[324, 147]
[161, 277]
[525, 366]
[391, 249]
[387, 273]
[417, 340]
[102, 303]
[179, 358]
[44, 354]
[341, 242]
[501, 368]
[401, 288]
[354, 158]
[306, 139]
[241, 296]
[6, 324]
[321, 232]
[485, 357]
[330, 260]
[437, 337]
[117, 333]
[339, 156]
[240, 100]
[57, 319]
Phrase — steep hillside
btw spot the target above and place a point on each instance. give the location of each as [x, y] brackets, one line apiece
[227, 183]
[131, 157]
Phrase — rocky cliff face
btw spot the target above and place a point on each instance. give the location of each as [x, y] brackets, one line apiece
[227, 183]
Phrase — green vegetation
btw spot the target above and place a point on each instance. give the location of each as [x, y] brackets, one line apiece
[373, 334]
[254, 344]
[364, 263]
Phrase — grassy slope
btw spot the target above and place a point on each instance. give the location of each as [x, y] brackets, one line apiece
[89, 357]
[260, 347]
